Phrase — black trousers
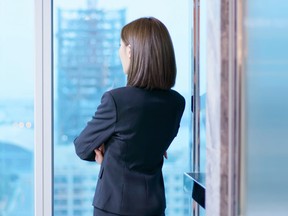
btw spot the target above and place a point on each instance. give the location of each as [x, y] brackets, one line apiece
[99, 212]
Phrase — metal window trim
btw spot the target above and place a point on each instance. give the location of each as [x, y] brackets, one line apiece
[43, 163]
[241, 51]
[196, 96]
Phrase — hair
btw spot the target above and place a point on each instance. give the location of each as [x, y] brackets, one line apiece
[152, 60]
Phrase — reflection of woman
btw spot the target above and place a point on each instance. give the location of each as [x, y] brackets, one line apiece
[136, 123]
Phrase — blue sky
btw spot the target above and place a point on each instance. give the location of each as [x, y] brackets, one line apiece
[17, 64]
[16, 48]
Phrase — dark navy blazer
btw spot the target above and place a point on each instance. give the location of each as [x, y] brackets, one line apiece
[137, 127]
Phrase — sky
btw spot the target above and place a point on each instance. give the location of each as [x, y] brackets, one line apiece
[16, 49]
[17, 56]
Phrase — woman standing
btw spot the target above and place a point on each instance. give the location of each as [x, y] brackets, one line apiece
[134, 125]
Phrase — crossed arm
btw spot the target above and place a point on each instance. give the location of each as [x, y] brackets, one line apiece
[99, 154]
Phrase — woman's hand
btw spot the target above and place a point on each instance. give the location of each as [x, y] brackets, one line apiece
[99, 154]
[165, 155]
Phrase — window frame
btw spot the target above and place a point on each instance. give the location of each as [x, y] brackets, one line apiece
[43, 104]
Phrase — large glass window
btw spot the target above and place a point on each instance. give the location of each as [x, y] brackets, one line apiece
[86, 64]
[16, 108]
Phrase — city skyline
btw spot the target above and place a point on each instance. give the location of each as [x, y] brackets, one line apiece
[18, 129]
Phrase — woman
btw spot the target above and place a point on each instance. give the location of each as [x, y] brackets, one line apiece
[136, 124]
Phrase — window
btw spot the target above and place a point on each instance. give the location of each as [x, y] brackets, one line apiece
[86, 64]
[16, 108]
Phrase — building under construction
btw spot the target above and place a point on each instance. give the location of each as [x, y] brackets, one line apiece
[87, 65]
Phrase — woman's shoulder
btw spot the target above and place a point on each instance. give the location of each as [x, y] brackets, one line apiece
[120, 90]
[173, 91]
[129, 92]
[178, 95]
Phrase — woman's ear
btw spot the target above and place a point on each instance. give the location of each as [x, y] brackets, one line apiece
[129, 51]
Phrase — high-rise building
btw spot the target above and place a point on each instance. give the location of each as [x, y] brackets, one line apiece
[87, 65]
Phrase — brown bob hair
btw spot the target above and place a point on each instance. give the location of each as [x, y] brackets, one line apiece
[152, 60]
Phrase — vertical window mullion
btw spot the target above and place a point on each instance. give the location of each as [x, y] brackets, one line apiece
[43, 109]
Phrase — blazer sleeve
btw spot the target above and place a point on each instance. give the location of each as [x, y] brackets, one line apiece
[98, 130]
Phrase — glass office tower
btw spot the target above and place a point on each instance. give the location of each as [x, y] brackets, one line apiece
[86, 65]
